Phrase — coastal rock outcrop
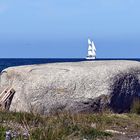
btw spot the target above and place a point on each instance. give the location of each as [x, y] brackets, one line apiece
[87, 86]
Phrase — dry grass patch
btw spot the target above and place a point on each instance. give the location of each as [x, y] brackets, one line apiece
[67, 126]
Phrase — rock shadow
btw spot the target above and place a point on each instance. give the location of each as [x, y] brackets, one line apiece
[125, 89]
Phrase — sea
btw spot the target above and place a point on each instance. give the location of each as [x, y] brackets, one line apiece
[10, 62]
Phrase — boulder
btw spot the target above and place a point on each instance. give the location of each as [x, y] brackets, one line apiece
[87, 86]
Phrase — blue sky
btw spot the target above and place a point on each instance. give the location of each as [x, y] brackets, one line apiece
[52, 28]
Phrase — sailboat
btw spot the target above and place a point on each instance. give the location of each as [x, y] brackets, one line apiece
[91, 50]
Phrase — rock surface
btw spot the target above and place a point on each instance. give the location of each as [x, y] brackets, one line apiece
[78, 86]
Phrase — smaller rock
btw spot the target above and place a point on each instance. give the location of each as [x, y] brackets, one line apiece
[26, 135]
[93, 125]
[115, 132]
[8, 135]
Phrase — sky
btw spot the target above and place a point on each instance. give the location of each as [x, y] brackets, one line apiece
[60, 29]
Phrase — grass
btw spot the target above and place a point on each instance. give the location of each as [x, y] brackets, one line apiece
[66, 126]
[135, 108]
[2, 133]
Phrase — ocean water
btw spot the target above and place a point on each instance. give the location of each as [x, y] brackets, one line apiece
[9, 62]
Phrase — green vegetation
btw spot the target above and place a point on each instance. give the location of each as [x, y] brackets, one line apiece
[2, 133]
[67, 126]
[135, 108]
[58, 127]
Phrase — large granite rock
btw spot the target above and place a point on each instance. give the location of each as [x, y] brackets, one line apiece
[78, 86]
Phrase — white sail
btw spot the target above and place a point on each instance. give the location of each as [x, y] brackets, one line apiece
[89, 42]
[94, 54]
[90, 53]
[91, 50]
[93, 46]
